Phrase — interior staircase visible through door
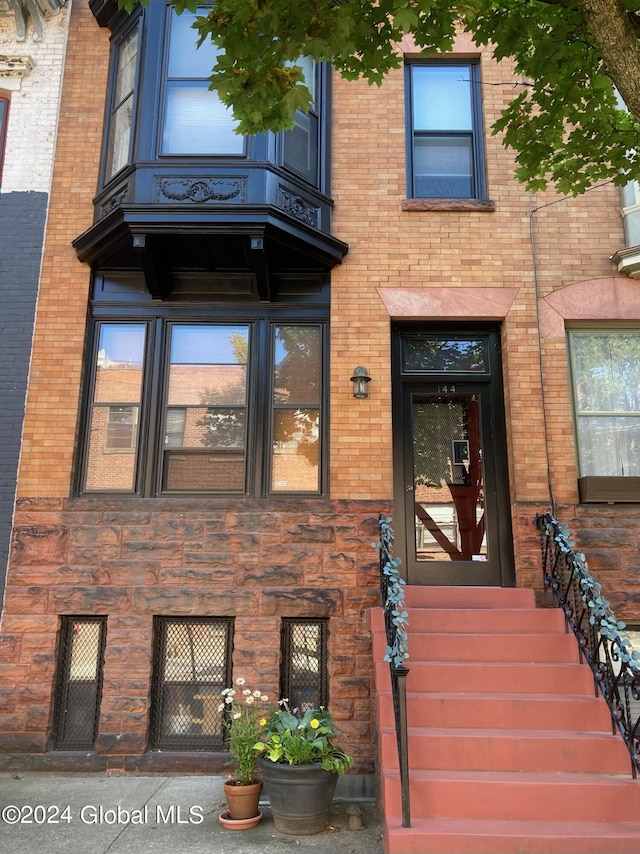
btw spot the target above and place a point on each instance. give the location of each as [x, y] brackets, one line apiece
[509, 749]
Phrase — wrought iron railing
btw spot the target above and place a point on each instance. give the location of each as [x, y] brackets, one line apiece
[601, 639]
[395, 620]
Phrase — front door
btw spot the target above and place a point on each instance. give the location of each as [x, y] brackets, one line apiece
[452, 507]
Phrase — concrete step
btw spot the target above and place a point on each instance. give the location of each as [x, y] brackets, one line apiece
[505, 711]
[524, 796]
[469, 597]
[478, 620]
[533, 647]
[491, 678]
[433, 748]
[484, 836]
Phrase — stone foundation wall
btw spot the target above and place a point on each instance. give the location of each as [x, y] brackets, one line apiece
[132, 559]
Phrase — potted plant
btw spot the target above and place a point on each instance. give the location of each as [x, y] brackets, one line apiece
[242, 709]
[300, 766]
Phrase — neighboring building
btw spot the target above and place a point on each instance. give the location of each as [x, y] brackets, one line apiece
[32, 43]
[199, 488]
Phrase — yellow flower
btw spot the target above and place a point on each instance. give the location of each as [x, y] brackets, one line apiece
[262, 721]
[314, 724]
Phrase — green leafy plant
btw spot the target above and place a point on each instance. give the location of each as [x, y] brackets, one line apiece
[301, 739]
[243, 713]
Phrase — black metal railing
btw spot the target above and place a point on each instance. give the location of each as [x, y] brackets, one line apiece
[395, 621]
[601, 639]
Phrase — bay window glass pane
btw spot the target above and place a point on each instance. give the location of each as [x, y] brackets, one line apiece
[296, 446]
[121, 123]
[443, 167]
[441, 97]
[206, 417]
[185, 58]
[297, 364]
[114, 418]
[300, 146]
[195, 120]
[295, 464]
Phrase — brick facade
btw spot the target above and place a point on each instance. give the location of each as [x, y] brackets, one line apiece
[512, 262]
[33, 88]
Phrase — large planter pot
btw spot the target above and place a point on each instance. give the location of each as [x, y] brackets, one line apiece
[300, 796]
[243, 799]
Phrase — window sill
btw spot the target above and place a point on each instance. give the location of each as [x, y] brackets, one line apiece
[609, 490]
[486, 205]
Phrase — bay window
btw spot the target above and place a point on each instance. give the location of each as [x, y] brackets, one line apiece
[206, 406]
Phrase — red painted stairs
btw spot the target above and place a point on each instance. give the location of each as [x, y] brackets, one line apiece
[509, 749]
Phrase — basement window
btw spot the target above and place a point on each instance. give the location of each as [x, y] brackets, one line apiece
[191, 666]
[78, 682]
[304, 677]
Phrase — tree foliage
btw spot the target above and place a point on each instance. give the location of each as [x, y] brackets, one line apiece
[563, 122]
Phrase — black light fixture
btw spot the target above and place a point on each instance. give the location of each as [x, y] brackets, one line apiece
[360, 380]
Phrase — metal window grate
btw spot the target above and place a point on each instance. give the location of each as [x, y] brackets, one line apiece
[304, 679]
[192, 664]
[78, 682]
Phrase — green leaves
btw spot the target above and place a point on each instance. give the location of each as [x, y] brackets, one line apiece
[563, 122]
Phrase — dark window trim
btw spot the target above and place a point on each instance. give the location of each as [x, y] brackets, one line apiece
[288, 627]
[477, 134]
[136, 20]
[196, 743]
[5, 98]
[147, 481]
[61, 708]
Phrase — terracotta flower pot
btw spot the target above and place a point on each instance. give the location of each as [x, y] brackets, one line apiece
[243, 798]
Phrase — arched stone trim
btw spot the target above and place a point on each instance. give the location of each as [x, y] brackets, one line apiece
[448, 303]
[609, 298]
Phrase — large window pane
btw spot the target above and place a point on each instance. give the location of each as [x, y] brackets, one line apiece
[195, 120]
[295, 465]
[446, 150]
[206, 408]
[606, 387]
[114, 419]
[443, 167]
[441, 97]
[297, 364]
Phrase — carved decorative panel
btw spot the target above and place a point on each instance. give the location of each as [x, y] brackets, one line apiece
[201, 190]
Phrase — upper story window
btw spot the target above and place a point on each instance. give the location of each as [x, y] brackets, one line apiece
[207, 406]
[301, 144]
[606, 395]
[445, 150]
[122, 101]
[195, 120]
[4, 120]
[160, 105]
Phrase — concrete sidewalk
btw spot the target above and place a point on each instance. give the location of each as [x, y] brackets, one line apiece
[82, 814]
